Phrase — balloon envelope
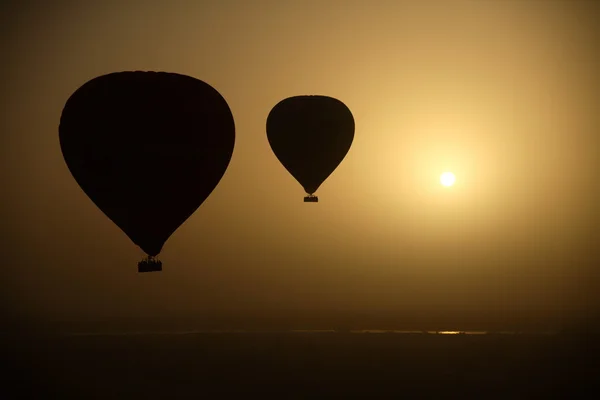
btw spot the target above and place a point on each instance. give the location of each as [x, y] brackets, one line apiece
[310, 135]
[148, 148]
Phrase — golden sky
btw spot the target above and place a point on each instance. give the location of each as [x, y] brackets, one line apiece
[504, 94]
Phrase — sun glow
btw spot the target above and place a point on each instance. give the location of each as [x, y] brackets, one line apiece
[447, 179]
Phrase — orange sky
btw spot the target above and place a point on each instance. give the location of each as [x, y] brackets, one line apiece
[503, 93]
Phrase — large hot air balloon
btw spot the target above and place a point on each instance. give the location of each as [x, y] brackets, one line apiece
[148, 148]
[310, 135]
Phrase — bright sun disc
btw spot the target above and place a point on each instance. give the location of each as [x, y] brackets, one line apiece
[447, 179]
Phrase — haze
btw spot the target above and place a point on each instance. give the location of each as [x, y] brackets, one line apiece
[504, 94]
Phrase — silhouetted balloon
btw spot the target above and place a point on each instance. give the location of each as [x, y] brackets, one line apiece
[148, 148]
[310, 135]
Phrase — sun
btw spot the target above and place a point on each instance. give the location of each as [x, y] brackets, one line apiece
[447, 179]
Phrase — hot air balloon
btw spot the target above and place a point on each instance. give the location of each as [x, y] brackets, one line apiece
[147, 148]
[310, 135]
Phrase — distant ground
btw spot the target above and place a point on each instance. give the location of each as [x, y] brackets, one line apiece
[301, 366]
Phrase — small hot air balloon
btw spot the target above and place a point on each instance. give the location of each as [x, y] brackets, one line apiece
[310, 135]
[147, 148]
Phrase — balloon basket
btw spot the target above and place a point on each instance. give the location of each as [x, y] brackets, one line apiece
[150, 264]
[311, 198]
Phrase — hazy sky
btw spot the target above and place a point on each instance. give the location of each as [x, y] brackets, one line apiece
[503, 93]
